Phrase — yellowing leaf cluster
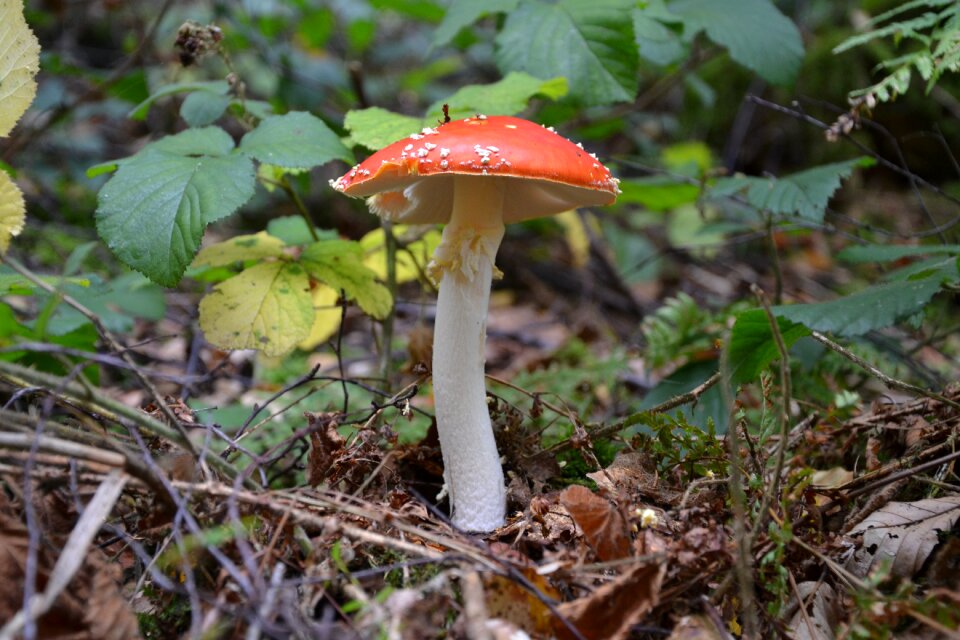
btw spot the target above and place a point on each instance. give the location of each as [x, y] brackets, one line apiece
[19, 63]
[279, 301]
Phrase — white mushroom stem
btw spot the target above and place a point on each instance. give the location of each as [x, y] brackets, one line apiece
[464, 266]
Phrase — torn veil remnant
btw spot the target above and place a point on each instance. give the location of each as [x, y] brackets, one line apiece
[474, 175]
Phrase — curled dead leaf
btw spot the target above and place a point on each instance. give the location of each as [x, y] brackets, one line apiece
[609, 612]
[603, 525]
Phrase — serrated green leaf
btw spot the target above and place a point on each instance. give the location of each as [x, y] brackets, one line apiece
[294, 140]
[266, 307]
[755, 32]
[139, 112]
[256, 246]
[375, 128]
[889, 253]
[752, 347]
[462, 13]
[201, 108]
[153, 210]
[505, 97]
[204, 141]
[589, 43]
[804, 194]
[875, 307]
[656, 42]
[339, 263]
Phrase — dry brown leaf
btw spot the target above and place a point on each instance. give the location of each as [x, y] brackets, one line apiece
[602, 524]
[609, 612]
[903, 534]
[631, 473]
[510, 601]
[326, 444]
[831, 478]
[823, 612]
[698, 627]
[108, 613]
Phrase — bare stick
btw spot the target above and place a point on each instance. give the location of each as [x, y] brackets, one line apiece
[887, 380]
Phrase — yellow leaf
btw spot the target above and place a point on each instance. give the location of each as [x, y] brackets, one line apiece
[576, 235]
[326, 320]
[250, 247]
[411, 261]
[266, 307]
[19, 63]
[12, 211]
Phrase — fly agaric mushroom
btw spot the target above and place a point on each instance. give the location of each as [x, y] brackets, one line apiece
[473, 175]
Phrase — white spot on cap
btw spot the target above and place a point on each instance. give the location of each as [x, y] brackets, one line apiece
[444, 152]
[422, 152]
[485, 160]
[510, 126]
[429, 131]
[444, 164]
[415, 136]
[409, 147]
[429, 146]
[494, 149]
[480, 116]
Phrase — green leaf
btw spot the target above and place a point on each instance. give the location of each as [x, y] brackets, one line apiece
[657, 193]
[115, 302]
[890, 253]
[589, 43]
[239, 249]
[709, 407]
[294, 140]
[875, 307]
[755, 33]
[266, 307]
[657, 43]
[201, 108]
[505, 97]
[462, 13]
[293, 230]
[804, 194]
[209, 141]
[220, 87]
[153, 210]
[752, 347]
[375, 128]
[339, 263]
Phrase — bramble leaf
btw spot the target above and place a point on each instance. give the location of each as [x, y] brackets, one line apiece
[589, 43]
[375, 128]
[505, 97]
[19, 63]
[153, 210]
[804, 194]
[411, 260]
[872, 308]
[326, 319]
[755, 32]
[752, 347]
[266, 307]
[339, 263]
[238, 249]
[890, 253]
[462, 13]
[13, 211]
[297, 140]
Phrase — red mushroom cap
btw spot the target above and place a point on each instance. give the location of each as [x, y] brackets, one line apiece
[544, 172]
